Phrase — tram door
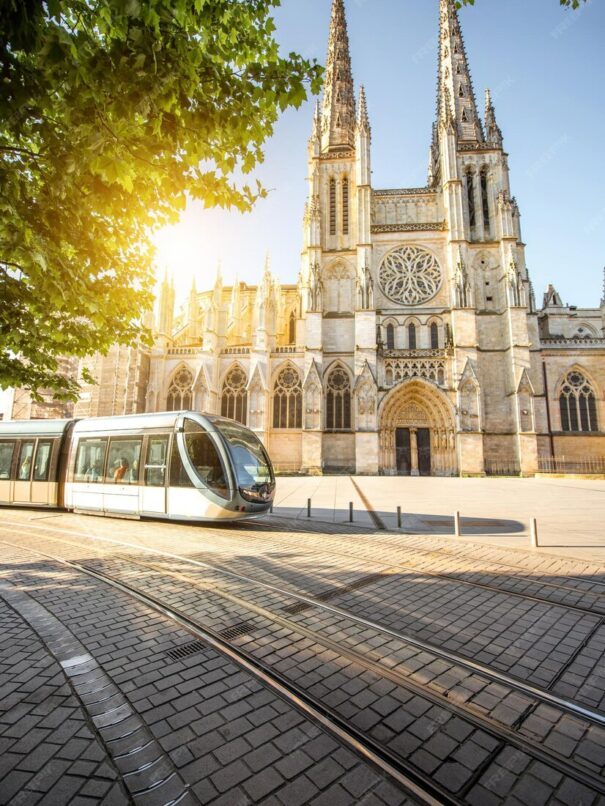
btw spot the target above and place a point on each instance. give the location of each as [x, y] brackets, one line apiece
[153, 489]
[403, 451]
[423, 436]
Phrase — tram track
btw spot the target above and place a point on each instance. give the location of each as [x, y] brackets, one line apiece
[390, 567]
[463, 661]
[504, 735]
[419, 787]
[378, 540]
[599, 609]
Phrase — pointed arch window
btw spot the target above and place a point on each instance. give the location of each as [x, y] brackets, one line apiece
[390, 337]
[578, 404]
[470, 197]
[180, 392]
[434, 336]
[461, 91]
[287, 399]
[234, 398]
[345, 205]
[484, 197]
[332, 206]
[412, 336]
[338, 401]
[292, 329]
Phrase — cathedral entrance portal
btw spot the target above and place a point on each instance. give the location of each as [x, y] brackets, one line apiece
[413, 451]
[417, 433]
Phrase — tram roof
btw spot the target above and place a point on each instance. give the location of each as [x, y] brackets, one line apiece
[33, 428]
[132, 422]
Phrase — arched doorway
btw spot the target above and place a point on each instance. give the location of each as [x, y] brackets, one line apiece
[417, 431]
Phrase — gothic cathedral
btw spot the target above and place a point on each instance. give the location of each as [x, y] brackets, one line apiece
[411, 343]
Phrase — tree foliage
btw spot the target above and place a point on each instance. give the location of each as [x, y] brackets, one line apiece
[112, 113]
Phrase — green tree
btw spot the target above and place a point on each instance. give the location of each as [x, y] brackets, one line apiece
[112, 113]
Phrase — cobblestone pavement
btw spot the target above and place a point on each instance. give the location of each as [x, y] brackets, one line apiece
[475, 670]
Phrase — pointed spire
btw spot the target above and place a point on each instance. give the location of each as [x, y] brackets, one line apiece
[317, 121]
[603, 297]
[363, 121]
[456, 96]
[493, 134]
[338, 113]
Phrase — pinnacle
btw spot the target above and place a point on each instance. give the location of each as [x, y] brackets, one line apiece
[455, 80]
[338, 113]
[363, 121]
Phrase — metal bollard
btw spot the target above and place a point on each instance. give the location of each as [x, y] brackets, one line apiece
[399, 517]
[271, 508]
[350, 512]
[308, 507]
[534, 533]
[457, 529]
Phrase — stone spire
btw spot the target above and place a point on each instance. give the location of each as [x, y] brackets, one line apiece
[493, 133]
[166, 304]
[338, 112]
[603, 297]
[316, 130]
[363, 121]
[456, 96]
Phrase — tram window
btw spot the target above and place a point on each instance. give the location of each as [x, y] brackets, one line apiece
[6, 459]
[178, 474]
[123, 462]
[205, 458]
[90, 460]
[24, 467]
[42, 463]
[155, 464]
[248, 455]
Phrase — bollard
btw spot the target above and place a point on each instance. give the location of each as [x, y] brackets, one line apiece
[350, 512]
[457, 530]
[271, 508]
[308, 507]
[399, 517]
[534, 533]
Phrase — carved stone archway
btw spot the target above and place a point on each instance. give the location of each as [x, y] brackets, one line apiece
[414, 405]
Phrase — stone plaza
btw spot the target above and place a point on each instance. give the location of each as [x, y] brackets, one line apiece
[295, 660]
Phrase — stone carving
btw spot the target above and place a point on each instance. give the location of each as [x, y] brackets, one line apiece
[338, 289]
[315, 289]
[463, 289]
[410, 275]
[313, 407]
[365, 291]
[401, 369]
[516, 293]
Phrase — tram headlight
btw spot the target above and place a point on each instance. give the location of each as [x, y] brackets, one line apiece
[258, 493]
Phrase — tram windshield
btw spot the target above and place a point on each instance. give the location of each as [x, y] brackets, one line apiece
[251, 463]
[204, 457]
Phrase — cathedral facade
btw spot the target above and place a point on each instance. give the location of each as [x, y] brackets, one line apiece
[411, 343]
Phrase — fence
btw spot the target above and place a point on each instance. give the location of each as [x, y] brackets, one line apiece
[502, 469]
[595, 466]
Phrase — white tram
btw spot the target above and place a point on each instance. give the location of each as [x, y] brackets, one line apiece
[180, 465]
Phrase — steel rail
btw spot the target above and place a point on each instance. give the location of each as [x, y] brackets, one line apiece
[474, 666]
[411, 781]
[395, 764]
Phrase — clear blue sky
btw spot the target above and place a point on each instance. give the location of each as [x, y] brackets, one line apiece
[545, 68]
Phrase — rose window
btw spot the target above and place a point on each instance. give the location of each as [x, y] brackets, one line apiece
[410, 275]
